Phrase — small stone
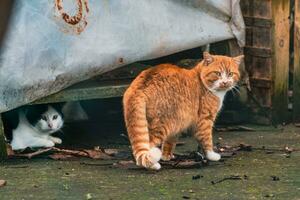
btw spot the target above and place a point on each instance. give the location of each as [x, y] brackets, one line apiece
[269, 195]
[89, 196]
[275, 178]
[197, 177]
[2, 183]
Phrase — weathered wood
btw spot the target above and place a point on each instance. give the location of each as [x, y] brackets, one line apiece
[281, 58]
[267, 54]
[258, 52]
[261, 83]
[3, 153]
[258, 22]
[86, 91]
[296, 84]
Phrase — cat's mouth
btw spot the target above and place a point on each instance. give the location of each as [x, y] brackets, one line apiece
[223, 88]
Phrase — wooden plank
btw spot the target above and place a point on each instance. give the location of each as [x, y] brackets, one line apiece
[261, 82]
[296, 84]
[3, 153]
[87, 91]
[259, 22]
[258, 52]
[280, 61]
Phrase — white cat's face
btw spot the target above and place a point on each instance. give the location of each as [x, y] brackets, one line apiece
[50, 122]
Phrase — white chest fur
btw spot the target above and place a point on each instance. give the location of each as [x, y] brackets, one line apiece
[221, 96]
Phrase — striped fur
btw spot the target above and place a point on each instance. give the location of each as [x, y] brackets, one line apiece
[165, 100]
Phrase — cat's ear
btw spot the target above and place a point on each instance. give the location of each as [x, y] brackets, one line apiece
[207, 58]
[238, 60]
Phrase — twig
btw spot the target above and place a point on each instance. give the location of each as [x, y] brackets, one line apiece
[233, 177]
[97, 164]
[30, 155]
[18, 167]
[72, 152]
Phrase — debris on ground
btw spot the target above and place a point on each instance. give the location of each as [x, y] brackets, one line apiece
[228, 151]
[2, 183]
[96, 164]
[123, 159]
[234, 128]
[89, 196]
[62, 154]
[275, 178]
[127, 164]
[245, 147]
[232, 177]
[197, 177]
[288, 150]
[269, 195]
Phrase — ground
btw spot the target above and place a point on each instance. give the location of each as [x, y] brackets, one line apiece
[265, 174]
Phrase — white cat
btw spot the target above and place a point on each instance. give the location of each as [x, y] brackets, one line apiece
[32, 126]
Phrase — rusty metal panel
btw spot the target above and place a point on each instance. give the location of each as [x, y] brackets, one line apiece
[53, 44]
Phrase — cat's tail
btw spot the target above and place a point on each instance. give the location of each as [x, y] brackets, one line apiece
[138, 133]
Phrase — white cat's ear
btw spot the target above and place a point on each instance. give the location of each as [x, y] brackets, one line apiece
[238, 60]
[207, 58]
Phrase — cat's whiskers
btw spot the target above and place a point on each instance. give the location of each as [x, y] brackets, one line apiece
[234, 90]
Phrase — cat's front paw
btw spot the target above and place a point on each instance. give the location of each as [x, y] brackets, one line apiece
[56, 140]
[156, 166]
[49, 143]
[167, 157]
[213, 156]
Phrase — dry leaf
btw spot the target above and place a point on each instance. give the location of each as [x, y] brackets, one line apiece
[97, 154]
[111, 152]
[60, 156]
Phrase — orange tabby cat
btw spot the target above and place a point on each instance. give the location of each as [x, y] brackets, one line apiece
[166, 100]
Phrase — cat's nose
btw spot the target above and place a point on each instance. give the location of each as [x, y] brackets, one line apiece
[224, 84]
[50, 125]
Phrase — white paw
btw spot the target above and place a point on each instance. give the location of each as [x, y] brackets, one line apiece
[167, 157]
[154, 154]
[56, 140]
[213, 156]
[156, 166]
[49, 144]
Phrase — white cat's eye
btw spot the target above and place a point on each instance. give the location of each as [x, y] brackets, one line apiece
[44, 118]
[230, 74]
[54, 117]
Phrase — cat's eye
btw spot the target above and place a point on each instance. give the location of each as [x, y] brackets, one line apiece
[44, 118]
[218, 73]
[230, 74]
[54, 117]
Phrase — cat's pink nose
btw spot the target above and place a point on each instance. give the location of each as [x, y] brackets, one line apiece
[224, 84]
[50, 125]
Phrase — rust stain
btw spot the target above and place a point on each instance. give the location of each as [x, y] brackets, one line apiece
[78, 21]
[121, 60]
